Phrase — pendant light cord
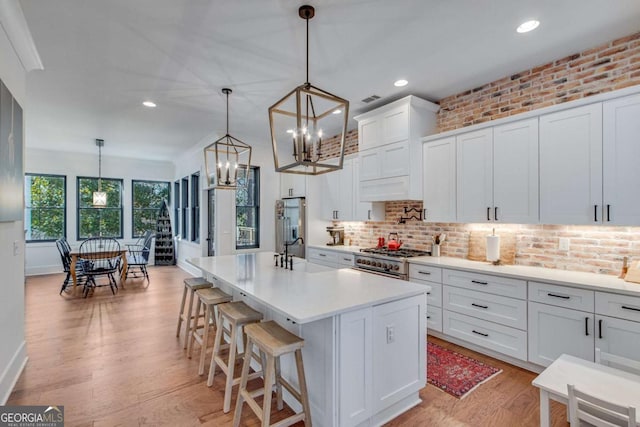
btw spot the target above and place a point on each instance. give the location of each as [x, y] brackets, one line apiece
[227, 113]
[307, 19]
[100, 168]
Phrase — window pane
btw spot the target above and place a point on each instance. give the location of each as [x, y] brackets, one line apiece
[92, 221]
[45, 205]
[143, 220]
[247, 209]
[147, 199]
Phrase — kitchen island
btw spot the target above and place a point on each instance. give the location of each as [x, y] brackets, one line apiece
[365, 335]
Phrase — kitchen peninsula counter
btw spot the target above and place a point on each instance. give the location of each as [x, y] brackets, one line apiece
[365, 335]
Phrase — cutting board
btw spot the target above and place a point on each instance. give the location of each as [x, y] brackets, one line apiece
[633, 274]
[478, 247]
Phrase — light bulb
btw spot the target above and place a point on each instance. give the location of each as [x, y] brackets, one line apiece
[227, 165]
[320, 133]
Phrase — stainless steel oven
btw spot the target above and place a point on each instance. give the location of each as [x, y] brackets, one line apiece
[386, 262]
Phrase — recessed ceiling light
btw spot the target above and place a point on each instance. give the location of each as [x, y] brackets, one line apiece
[338, 111]
[400, 83]
[527, 26]
[149, 104]
[289, 130]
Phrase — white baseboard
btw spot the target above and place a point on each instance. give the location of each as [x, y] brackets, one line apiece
[44, 269]
[189, 268]
[12, 372]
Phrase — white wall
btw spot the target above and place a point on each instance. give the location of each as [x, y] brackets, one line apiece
[13, 354]
[193, 161]
[43, 258]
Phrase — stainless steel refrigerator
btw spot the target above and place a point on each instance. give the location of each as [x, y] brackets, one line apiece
[290, 224]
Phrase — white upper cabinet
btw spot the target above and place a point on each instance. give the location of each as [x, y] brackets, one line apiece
[515, 172]
[621, 152]
[364, 211]
[337, 193]
[292, 185]
[390, 149]
[475, 176]
[571, 166]
[439, 180]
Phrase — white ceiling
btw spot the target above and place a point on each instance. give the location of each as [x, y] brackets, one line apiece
[102, 58]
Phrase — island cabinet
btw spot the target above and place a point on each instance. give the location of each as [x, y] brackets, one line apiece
[364, 335]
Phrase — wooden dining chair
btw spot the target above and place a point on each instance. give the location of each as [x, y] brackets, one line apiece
[100, 256]
[596, 411]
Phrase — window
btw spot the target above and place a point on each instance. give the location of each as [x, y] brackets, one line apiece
[45, 207]
[185, 205]
[248, 208]
[105, 221]
[146, 201]
[176, 207]
[195, 207]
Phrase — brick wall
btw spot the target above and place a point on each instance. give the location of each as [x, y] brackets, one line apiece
[612, 66]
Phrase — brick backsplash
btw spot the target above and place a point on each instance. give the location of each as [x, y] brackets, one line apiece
[591, 249]
[611, 66]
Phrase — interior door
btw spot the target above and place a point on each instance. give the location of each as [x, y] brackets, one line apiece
[211, 223]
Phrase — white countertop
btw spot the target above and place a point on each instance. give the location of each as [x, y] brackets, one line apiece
[338, 248]
[310, 292]
[592, 281]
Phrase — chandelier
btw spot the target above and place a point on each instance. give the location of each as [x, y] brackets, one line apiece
[223, 158]
[308, 125]
[99, 197]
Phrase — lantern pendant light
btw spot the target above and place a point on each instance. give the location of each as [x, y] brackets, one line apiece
[99, 197]
[308, 125]
[223, 158]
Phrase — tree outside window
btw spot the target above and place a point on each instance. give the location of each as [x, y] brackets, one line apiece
[146, 200]
[248, 208]
[94, 222]
[45, 207]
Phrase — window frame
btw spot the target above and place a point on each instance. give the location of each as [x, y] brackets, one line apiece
[78, 208]
[64, 208]
[176, 208]
[133, 209]
[184, 207]
[195, 207]
[256, 205]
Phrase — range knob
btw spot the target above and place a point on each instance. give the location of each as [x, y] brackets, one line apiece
[385, 266]
[378, 264]
[358, 261]
[396, 267]
[368, 262]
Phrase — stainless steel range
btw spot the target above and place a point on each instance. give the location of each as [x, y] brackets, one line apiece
[386, 262]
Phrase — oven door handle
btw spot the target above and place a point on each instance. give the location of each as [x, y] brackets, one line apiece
[382, 273]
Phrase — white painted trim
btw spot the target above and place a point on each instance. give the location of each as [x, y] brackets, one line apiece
[189, 269]
[15, 26]
[508, 359]
[538, 112]
[12, 372]
[44, 269]
[412, 100]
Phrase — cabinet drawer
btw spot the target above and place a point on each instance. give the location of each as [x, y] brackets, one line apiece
[502, 339]
[434, 318]
[616, 305]
[561, 296]
[321, 255]
[505, 311]
[344, 259]
[425, 272]
[434, 296]
[504, 286]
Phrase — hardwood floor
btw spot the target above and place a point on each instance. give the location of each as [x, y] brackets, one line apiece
[115, 361]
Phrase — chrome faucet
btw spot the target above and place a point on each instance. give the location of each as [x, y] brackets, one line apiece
[286, 251]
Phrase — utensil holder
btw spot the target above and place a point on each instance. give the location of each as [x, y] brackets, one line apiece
[435, 250]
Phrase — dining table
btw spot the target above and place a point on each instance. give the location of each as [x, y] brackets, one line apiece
[75, 254]
[617, 386]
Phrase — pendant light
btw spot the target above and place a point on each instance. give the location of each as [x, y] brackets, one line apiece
[308, 125]
[99, 197]
[227, 154]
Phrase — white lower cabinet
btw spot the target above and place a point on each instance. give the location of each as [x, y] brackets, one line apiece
[619, 337]
[382, 359]
[503, 339]
[329, 258]
[556, 330]
[434, 318]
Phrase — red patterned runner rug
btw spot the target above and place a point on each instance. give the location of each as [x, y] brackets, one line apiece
[456, 373]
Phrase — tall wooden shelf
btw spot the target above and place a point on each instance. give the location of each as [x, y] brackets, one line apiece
[164, 254]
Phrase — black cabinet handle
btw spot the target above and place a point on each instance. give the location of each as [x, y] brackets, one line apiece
[428, 317]
[559, 296]
[425, 272]
[608, 213]
[586, 326]
[479, 306]
[479, 282]
[630, 308]
[292, 321]
[424, 214]
[369, 214]
[347, 259]
[428, 293]
[495, 213]
[488, 214]
[480, 333]
[595, 213]
[600, 328]
[322, 255]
